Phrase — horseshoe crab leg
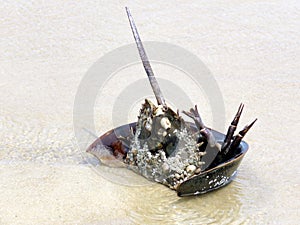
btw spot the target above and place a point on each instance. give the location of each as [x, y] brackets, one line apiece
[194, 114]
[238, 138]
[154, 84]
[231, 129]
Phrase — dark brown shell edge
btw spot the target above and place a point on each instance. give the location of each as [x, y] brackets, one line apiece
[220, 173]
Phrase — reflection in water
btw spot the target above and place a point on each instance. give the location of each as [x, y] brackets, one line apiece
[153, 203]
[156, 203]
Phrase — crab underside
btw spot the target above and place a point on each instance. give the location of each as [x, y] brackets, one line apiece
[161, 146]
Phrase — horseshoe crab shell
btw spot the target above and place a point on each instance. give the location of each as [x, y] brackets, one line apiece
[219, 173]
[161, 146]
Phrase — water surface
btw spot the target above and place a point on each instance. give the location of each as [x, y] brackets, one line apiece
[251, 49]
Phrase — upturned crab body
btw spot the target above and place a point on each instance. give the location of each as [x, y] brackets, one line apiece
[161, 146]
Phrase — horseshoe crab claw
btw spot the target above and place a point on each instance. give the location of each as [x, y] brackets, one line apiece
[189, 158]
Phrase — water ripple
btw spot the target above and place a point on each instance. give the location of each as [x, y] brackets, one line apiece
[162, 205]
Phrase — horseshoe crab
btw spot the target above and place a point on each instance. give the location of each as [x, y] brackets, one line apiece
[189, 158]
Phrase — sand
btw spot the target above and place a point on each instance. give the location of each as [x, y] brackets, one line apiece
[251, 49]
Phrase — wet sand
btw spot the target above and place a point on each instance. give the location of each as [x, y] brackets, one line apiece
[250, 47]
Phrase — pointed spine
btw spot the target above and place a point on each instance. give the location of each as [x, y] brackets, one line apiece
[154, 84]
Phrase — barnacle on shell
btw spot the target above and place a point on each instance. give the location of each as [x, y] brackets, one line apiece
[187, 157]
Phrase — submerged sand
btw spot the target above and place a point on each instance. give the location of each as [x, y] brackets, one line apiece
[250, 47]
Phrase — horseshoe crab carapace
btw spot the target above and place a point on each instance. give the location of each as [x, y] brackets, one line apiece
[189, 158]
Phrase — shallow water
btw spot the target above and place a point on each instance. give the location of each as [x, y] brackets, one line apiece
[251, 49]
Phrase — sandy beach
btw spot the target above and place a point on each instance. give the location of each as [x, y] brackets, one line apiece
[251, 49]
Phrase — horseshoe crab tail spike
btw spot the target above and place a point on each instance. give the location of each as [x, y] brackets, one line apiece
[232, 128]
[238, 138]
[154, 84]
